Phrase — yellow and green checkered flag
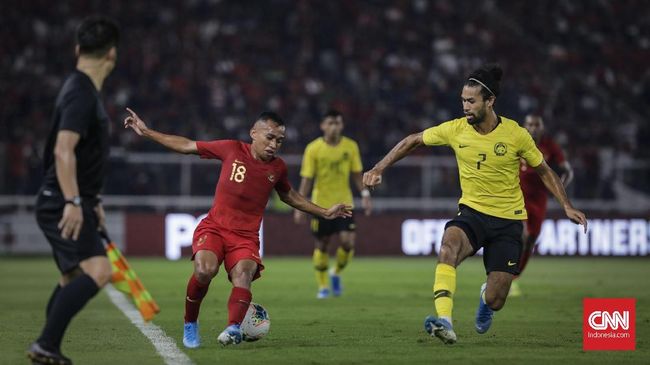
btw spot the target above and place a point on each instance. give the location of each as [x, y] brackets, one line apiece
[126, 280]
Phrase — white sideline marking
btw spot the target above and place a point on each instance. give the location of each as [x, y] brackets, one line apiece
[165, 345]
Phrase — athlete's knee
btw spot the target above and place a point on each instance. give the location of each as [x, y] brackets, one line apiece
[449, 251]
[242, 278]
[101, 273]
[494, 300]
[69, 276]
[347, 245]
[205, 271]
[104, 277]
[347, 239]
[322, 244]
[98, 268]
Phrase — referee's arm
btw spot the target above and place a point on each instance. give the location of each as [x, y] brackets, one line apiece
[65, 163]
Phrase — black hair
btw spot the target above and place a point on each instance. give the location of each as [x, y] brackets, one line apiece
[333, 113]
[96, 35]
[267, 115]
[488, 77]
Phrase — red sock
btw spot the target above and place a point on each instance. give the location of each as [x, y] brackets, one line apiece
[195, 293]
[238, 303]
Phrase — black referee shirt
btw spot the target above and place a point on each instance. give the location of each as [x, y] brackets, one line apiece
[79, 109]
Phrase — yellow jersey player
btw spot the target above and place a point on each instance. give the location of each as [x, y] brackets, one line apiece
[491, 209]
[327, 164]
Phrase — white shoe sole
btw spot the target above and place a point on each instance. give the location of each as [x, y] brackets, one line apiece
[448, 337]
[190, 346]
[226, 339]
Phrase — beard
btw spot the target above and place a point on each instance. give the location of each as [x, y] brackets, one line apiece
[476, 119]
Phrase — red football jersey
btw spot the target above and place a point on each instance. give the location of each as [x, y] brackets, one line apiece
[531, 184]
[244, 185]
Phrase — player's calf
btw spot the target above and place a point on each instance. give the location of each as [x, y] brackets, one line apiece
[321, 264]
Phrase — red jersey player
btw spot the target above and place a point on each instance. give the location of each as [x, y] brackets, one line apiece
[535, 194]
[229, 234]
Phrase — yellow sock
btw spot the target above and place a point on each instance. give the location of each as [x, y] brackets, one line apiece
[321, 263]
[444, 287]
[342, 259]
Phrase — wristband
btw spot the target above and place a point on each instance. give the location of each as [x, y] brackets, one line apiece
[365, 193]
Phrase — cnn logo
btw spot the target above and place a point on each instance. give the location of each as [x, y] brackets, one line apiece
[608, 324]
[602, 320]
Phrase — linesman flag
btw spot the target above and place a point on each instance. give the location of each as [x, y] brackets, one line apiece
[125, 280]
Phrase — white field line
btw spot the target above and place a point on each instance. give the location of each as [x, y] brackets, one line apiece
[165, 345]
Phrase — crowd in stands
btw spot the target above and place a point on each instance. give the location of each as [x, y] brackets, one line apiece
[205, 68]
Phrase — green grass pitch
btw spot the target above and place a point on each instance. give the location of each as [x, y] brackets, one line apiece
[378, 320]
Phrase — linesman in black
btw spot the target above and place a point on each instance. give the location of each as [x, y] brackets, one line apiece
[68, 207]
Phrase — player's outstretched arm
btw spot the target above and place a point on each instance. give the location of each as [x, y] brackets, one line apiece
[304, 189]
[366, 203]
[372, 177]
[567, 173]
[174, 143]
[298, 201]
[554, 185]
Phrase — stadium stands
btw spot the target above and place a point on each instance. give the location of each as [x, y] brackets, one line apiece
[204, 69]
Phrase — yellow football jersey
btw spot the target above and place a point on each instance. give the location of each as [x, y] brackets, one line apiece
[488, 165]
[330, 167]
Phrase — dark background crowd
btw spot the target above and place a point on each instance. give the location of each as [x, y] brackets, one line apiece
[205, 69]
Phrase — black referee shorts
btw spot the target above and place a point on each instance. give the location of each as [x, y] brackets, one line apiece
[68, 253]
[499, 237]
[321, 227]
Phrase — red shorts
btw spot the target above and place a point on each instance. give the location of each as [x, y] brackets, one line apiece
[229, 246]
[536, 209]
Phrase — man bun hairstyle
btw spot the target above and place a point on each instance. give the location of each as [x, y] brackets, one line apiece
[96, 35]
[488, 77]
[267, 115]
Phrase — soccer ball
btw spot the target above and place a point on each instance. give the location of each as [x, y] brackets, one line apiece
[256, 323]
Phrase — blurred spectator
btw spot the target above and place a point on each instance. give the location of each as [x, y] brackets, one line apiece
[206, 68]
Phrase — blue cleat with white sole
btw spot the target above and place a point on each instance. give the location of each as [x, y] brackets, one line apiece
[483, 314]
[232, 335]
[441, 328]
[191, 338]
[323, 293]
